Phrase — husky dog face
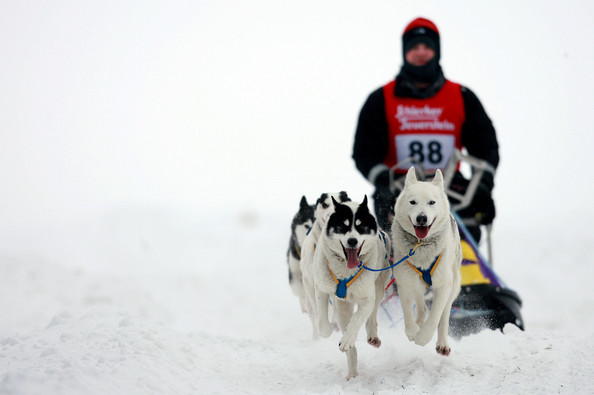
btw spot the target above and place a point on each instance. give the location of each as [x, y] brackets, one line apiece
[351, 224]
[302, 221]
[422, 205]
[324, 206]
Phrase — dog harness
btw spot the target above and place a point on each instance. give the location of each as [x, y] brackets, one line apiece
[298, 250]
[342, 285]
[425, 275]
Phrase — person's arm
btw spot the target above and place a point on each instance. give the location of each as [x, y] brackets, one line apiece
[371, 137]
[478, 133]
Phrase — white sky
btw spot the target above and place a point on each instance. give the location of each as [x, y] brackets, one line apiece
[246, 104]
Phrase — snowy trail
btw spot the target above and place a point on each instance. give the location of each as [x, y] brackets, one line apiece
[179, 329]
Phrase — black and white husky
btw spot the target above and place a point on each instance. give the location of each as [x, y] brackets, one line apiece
[323, 209]
[300, 226]
[349, 252]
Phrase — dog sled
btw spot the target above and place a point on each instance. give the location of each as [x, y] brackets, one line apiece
[484, 301]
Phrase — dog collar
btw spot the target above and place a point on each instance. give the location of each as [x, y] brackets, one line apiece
[342, 285]
[425, 275]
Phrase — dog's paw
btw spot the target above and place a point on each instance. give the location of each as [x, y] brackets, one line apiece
[352, 374]
[424, 336]
[411, 331]
[374, 341]
[347, 341]
[443, 350]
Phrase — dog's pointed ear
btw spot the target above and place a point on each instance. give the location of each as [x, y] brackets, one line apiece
[363, 208]
[303, 203]
[438, 179]
[411, 176]
[364, 204]
[336, 204]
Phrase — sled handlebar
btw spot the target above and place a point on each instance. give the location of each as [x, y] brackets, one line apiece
[478, 168]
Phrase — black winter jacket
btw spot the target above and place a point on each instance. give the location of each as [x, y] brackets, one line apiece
[371, 137]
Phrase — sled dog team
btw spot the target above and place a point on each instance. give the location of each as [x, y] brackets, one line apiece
[339, 258]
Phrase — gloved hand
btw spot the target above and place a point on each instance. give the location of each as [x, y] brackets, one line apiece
[483, 203]
[482, 207]
[487, 181]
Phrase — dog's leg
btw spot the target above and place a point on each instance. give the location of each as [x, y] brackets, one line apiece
[308, 291]
[322, 300]
[344, 313]
[296, 284]
[364, 309]
[352, 363]
[420, 309]
[442, 346]
[371, 324]
[407, 301]
[310, 305]
[441, 296]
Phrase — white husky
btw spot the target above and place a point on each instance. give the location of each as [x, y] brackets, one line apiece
[349, 253]
[423, 223]
[323, 209]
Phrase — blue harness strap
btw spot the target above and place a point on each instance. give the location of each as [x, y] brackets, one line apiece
[426, 274]
[343, 284]
[410, 253]
[341, 287]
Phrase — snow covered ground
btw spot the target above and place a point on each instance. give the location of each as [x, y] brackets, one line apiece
[163, 303]
[152, 159]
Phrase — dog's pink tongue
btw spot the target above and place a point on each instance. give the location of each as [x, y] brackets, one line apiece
[421, 231]
[353, 258]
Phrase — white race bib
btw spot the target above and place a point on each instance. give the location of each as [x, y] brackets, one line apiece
[432, 151]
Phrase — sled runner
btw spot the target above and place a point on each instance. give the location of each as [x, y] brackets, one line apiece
[484, 301]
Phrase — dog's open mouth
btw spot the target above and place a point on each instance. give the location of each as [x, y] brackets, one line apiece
[352, 256]
[422, 231]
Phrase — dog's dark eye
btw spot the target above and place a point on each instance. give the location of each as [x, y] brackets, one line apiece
[324, 205]
[431, 202]
[307, 226]
[413, 202]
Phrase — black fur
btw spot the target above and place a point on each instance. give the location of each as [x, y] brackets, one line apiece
[367, 223]
[343, 220]
[342, 195]
[322, 200]
[305, 213]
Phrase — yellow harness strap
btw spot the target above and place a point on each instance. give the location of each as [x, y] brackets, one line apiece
[425, 275]
[342, 285]
[298, 251]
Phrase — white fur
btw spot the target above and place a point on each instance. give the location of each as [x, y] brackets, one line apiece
[295, 264]
[307, 256]
[443, 238]
[367, 291]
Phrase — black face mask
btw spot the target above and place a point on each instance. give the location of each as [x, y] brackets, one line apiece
[428, 73]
